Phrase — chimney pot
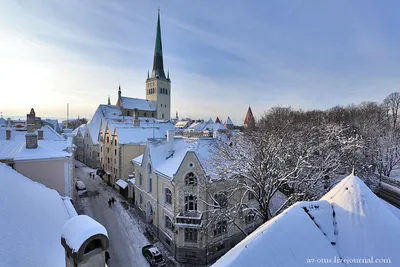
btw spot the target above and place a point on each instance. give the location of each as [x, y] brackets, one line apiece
[170, 139]
[40, 134]
[8, 134]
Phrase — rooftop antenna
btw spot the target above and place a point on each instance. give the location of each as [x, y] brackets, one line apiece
[67, 114]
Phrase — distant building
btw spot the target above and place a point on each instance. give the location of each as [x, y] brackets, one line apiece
[229, 124]
[158, 89]
[249, 121]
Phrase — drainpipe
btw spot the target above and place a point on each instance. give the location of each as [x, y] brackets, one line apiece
[172, 184]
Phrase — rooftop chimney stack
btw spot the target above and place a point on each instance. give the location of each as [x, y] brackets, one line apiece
[8, 134]
[85, 242]
[8, 122]
[30, 136]
[170, 140]
[136, 121]
[40, 134]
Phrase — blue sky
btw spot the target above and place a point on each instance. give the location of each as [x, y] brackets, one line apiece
[222, 55]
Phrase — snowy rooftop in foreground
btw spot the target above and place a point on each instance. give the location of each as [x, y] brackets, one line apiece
[79, 229]
[140, 104]
[48, 134]
[32, 219]
[349, 222]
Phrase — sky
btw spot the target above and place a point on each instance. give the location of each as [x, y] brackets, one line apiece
[222, 55]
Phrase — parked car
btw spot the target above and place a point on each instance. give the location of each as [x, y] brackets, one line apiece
[80, 186]
[153, 256]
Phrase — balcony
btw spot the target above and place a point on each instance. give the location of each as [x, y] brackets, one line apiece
[189, 219]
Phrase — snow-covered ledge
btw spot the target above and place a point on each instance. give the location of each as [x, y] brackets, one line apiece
[85, 242]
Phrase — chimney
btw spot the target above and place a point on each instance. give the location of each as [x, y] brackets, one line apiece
[85, 242]
[170, 140]
[8, 122]
[30, 136]
[136, 121]
[40, 134]
[8, 134]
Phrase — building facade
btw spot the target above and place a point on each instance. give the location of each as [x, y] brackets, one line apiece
[173, 192]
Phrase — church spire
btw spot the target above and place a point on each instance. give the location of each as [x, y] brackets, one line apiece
[158, 64]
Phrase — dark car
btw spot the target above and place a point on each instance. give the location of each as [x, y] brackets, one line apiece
[100, 172]
[153, 255]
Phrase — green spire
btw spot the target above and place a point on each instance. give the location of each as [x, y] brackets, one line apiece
[158, 64]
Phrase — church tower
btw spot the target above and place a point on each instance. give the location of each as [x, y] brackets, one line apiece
[158, 86]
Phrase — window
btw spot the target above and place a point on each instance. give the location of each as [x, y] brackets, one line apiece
[140, 179]
[190, 179]
[162, 116]
[115, 142]
[101, 149]
[190, 235]
[221, 247]
[168, 223]
[108, 139]
[108, 160]
[161, 105]
[98, 154]
[128, 113]
[190, 203]
[168, 196]
[140, 199]
[108, 150]
[220, 228]
[150, 185]
[115, 161]
[149, 168]
[152, 114]
[145, 114]
[221, 200]
[250, 217]
[115, 152]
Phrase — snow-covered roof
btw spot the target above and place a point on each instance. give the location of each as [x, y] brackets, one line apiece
[140, 104]
[349, 222]
[167, 162]
[79, 229]
[121, 183]
[32, 219]
[139, 135]
[182, 124]
[229, 121]
[48, 133]
[3, 122]
[209, 125]
[15, 150]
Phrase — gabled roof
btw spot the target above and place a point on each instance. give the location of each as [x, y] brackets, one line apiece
[48, 133]
[140, 104]
[166, 162]
[249, 119]
[32, 219]
[349, 222]
[139, 135]
[209, 125]
[229, 121]
[217, 120]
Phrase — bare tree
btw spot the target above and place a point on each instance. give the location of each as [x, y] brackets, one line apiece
[392, 106]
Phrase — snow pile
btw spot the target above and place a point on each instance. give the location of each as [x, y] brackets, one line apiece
[348, 223]
[32, 217]
[79, 229]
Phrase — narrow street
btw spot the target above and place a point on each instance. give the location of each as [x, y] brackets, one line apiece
[126, 238]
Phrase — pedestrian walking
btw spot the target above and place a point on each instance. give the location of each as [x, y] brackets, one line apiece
[109, 202]
[113, 200]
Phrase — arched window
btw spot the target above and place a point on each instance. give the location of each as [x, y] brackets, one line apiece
[168, 196]
[115, 142]
[108, 139]
[190, 179]
[168, 223]
[149, 180]
[250, 217]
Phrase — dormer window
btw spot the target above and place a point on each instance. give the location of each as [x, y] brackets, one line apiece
[190, 179]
